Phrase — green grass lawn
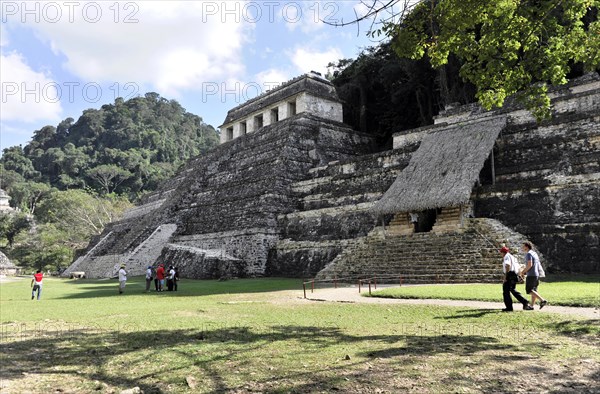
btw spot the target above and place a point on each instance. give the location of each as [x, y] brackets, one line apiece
[259, 335]
[566, 290]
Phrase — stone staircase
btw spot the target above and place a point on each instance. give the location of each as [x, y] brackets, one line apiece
[150, 250]
[459, 257]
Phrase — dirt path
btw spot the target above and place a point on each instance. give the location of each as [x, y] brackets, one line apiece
[351, 295]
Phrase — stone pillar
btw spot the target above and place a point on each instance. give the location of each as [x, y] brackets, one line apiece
[283, 111]
[270, 117]
[401, 225]
[302, 103]
[448, 221]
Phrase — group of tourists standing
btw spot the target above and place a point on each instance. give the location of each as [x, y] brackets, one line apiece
[159, 275]
[512, 272]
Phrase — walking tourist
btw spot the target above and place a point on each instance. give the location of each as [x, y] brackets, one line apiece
[36, 284]
[510, 267]
[532, 270]
[148, 278]
[122, 279]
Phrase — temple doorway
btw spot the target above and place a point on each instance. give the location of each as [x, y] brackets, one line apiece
[424, 220]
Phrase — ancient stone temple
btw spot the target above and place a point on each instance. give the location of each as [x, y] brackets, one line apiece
[308, 93]
[293, 191]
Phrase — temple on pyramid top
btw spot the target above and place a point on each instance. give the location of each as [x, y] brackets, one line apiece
[307, 93]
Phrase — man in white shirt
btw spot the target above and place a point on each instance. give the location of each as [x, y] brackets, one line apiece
[122, 279]
[171, 279]
[510, 268]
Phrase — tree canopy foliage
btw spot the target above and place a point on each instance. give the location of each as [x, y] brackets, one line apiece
[384, 94]
[128, 147]
[505, 46]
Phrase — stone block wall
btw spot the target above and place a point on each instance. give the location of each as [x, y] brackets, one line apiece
[547, 183]
[333, 210]
[229, 200]
[251, 246]
[196, 263]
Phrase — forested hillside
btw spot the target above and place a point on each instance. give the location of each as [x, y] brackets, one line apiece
[73, 179]
[126, 148]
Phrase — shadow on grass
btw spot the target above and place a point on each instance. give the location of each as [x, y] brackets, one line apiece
[93, 288]
[578, 328]
[473, 313]
[106, 354]
[158, 361]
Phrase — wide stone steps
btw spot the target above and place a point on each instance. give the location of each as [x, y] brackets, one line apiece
[421, 258]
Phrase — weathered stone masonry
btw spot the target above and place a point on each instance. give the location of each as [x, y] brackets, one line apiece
[292, 196]
[548, 178]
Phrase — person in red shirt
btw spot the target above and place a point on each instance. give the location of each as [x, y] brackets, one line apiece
[160, 275]
[36, 284]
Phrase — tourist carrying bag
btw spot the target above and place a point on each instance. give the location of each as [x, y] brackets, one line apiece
[541, 272]
[517, 268]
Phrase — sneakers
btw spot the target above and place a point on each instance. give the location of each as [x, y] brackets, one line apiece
[543, 304]
[507, 310]
[527, 308]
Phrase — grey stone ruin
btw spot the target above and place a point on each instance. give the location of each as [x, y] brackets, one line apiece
[293, 191]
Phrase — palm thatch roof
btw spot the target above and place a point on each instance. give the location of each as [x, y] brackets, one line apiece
[444, 169]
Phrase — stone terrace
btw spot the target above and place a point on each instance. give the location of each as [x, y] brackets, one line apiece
[333, 210]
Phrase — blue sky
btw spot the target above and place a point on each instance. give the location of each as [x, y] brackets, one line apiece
[61, 57]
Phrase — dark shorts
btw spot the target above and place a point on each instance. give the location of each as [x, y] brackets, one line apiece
[531, 283]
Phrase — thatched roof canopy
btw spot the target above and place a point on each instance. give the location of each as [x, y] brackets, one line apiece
[443, 171]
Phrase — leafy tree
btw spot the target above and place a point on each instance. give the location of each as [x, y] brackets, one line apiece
[43, 248]
[11, 224]
[384, 94]
[109, 176]
[66, 220]
[14, 159]
[80, 214]
[505, 46]
[8, 179]
[28, 194]
[138, 135]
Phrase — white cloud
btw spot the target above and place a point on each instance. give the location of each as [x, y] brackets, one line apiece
[173, 46]
[307, 60]
[4, 41]
[306, 16]
[27, 95]
[271, 78]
